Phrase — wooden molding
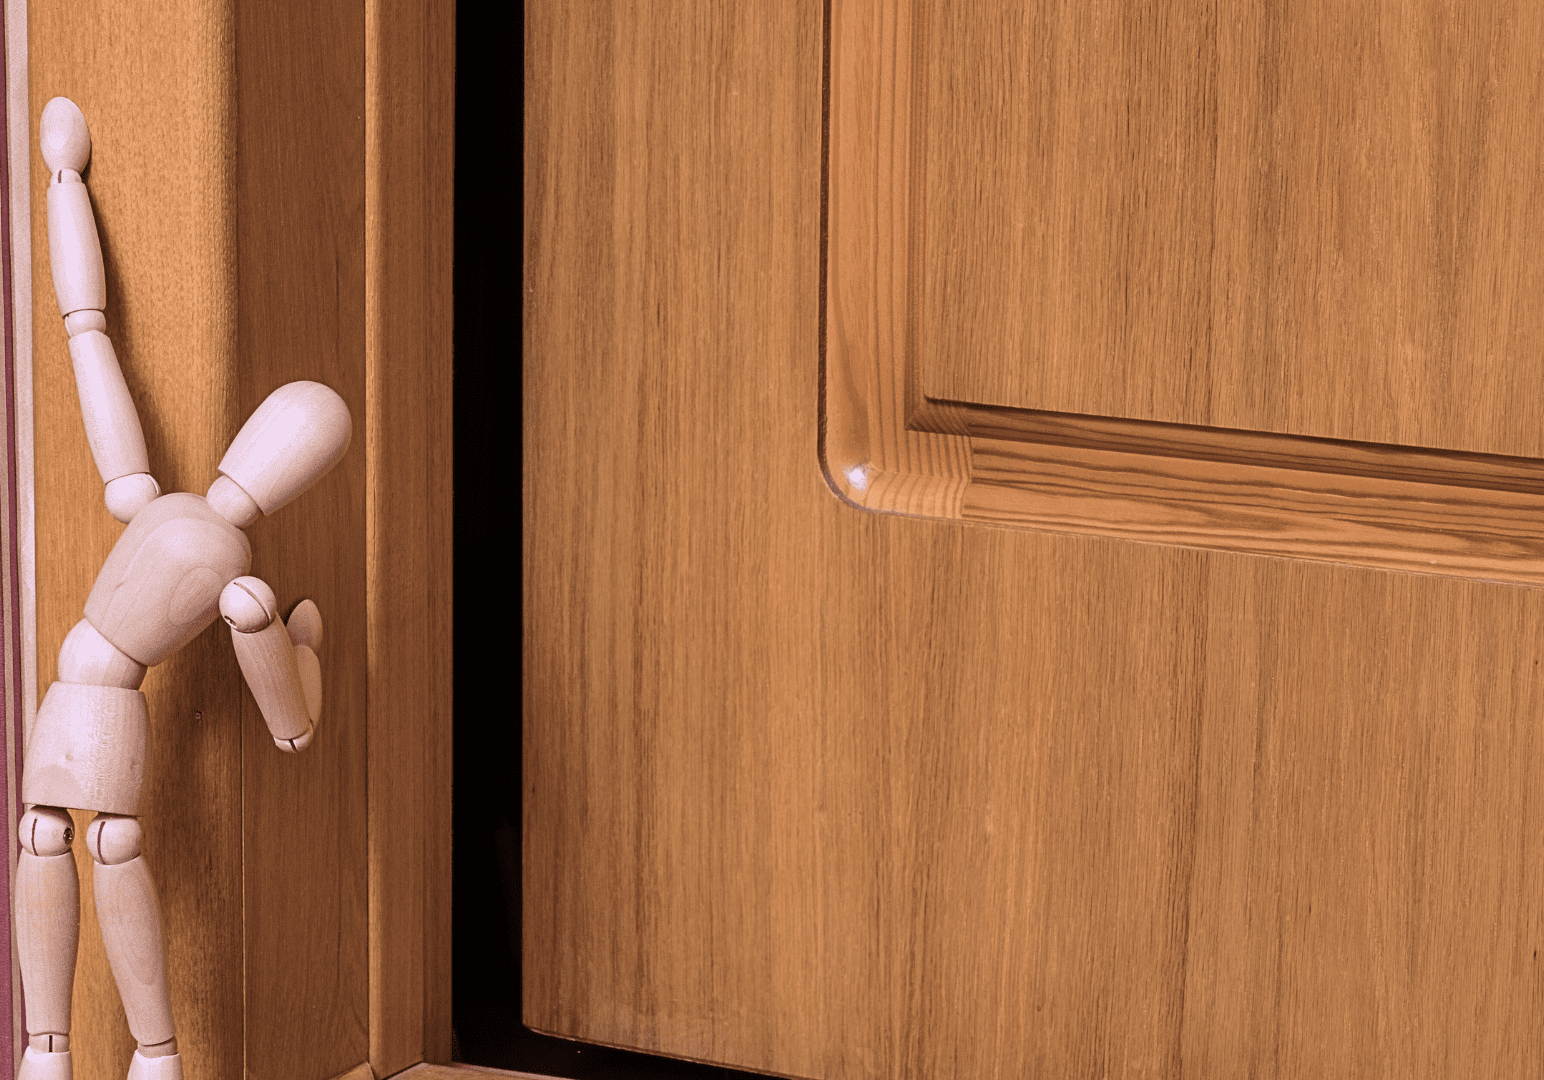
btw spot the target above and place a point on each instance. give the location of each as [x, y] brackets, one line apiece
[457, 1072]
[409, 160]
[888, 446]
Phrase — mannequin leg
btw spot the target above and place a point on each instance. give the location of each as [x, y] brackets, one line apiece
[47, 913]
[131, 931]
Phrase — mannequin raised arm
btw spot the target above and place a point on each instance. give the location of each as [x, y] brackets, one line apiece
[75, 255]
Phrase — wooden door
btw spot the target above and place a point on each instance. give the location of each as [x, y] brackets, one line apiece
[1175, 713]
[272, 186]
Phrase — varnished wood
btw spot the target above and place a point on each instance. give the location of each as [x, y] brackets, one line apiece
[1318, 220]
[459, 1072]
[1149, 438]
[160, 101]
[269, 663]
[112, 428]
[871, 455]
[1401, 525]
[970, 256]
[299, 204]
[409, 114]
[69, 763]
[42, 882]
[146, 572]
[130, 919]
[279, 175]
[880, 796]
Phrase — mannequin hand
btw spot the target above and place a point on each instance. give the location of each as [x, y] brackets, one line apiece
[277, 658]
[305, 633]
[295, 746]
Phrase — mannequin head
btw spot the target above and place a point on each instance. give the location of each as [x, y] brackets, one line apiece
[291, 441]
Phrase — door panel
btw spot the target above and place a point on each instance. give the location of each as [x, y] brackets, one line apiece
[1087, 285]
[1317, 220]
[830, 793]
[272, 183]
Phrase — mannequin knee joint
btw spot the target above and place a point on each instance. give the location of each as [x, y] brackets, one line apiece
[112, 839]
[46, 830]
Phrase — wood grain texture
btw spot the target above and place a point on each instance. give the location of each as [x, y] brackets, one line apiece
[974, 236]
[1392, 524]
[156, 83]
[228, 179]
[844, 795]
[872, 457]
[1136, 438]
[462, 1072]
[1317, 220]
[299, 204]
[409, 124]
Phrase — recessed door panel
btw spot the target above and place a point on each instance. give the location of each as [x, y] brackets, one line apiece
[1258, 283]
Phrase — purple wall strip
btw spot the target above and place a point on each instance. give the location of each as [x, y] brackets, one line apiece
[10, 553]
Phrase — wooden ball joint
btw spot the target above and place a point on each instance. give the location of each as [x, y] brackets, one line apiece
[181, 561]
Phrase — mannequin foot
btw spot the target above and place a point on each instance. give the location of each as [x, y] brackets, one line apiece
[41, 1065]
[164, 1067]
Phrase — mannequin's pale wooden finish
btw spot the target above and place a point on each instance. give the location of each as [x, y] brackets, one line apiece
[847, 795]
[181, 562]
[205, 340]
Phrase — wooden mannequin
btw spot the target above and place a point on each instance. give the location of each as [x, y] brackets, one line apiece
[182, 559]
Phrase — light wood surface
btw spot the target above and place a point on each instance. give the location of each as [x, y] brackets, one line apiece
[88, 657]
[147, 571]
[297, 435]
[1320, 220]
[847, 795]
[229, 178]
[53, 931]
[998, 292]
[75, 254]
[112, 425]
[159, 102]
[267, 658]
[131, 926]
[87, 748]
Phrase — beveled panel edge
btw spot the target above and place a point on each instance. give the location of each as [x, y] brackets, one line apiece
[885, 447]
[868, 455]
[1274, 450]
[1410, 509]
[1404, 525]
